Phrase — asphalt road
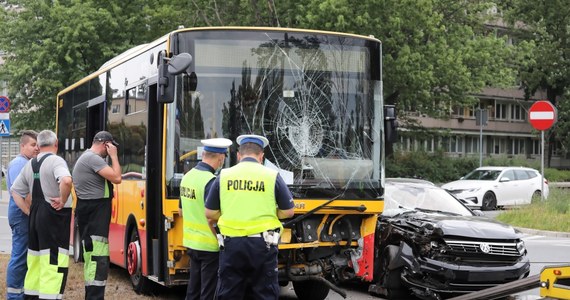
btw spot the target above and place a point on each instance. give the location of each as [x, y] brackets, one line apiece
[542, 251]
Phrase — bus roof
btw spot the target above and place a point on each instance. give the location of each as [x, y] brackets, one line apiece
[136, 50]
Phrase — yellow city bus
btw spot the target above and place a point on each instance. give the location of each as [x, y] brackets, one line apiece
[317, 97]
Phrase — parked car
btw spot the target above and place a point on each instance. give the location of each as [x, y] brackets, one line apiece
[432, 246]
[490, 187]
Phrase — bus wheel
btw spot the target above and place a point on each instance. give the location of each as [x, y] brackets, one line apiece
[134, 264]
[77, 245]
[310, 290]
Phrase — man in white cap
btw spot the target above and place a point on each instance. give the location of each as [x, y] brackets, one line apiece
[247, 201]
[199, 236]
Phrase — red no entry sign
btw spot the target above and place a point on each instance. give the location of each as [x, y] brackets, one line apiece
[542, 115]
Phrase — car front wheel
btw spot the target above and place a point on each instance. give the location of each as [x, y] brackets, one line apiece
[489, 201]
[390, 279]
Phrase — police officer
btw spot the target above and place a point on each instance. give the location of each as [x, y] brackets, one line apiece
[247, 201]
[16, 270]
[199, 236]
[93, 179]
[48, 180]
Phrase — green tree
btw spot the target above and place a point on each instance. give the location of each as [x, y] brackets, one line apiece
[544, 28]
[52, 44]
[437, 53]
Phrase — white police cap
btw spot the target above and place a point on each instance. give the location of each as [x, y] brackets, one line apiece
[216, 145]
[252, 138]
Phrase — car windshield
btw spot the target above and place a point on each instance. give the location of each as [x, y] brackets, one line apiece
[402, 197]
[482, 175]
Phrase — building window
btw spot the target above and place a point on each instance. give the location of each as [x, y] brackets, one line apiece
[535, 147]
[453, 144]
[517, 146]
[472, 144]
[116, 109]
[500, 111]
[425, 144]
[517, 112]
[498, 145]
[557, 149]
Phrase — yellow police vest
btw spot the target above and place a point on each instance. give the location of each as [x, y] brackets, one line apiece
[197, 233]
[247, 200]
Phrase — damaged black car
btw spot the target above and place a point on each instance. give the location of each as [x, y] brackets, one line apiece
[431, 246]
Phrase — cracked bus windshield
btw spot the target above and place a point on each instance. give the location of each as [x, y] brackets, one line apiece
[311, 95]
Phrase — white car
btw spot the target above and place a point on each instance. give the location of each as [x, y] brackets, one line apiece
[490, 187]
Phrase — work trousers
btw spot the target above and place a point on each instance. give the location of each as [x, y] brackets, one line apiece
[93, 218]
[16, 270]
[48, 251]
[248, 266]
[203, 275]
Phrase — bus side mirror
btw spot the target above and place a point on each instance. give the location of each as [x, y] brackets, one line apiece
[168, 68]
[390, 124]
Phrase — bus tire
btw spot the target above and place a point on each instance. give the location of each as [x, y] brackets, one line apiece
[310, 290]
[77, 245]
[141, 284]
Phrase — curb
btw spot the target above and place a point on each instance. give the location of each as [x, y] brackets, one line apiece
[543, 232]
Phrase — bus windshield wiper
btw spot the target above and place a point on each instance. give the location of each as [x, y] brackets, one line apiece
[311, 212]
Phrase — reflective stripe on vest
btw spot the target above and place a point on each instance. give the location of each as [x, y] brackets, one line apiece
[247, 200]
[197, 233]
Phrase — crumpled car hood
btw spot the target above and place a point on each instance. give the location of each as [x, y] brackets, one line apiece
[476, 227]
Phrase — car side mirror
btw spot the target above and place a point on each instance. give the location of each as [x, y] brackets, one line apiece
[505, 179]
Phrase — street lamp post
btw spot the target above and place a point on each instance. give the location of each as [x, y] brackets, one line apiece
[481, 120]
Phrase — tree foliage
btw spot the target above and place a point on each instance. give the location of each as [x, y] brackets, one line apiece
[544, 26]
[437, 53]
[52, 44]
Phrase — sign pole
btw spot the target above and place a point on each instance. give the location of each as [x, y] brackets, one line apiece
[542, 115]
[6, 170]
[481, 145]
[542, 165]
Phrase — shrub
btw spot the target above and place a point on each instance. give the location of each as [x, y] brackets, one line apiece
[439, 168]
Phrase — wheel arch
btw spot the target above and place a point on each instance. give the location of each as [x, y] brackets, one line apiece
[131, 225]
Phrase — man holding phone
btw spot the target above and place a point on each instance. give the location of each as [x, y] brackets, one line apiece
[93, 179]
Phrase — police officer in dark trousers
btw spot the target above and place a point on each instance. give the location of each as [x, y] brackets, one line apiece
[247, 201]
[199, 237]
[93, 179]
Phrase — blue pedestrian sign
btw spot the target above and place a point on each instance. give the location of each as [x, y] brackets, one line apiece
[4, 127]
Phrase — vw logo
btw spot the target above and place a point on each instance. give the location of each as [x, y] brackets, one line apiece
[485, 247]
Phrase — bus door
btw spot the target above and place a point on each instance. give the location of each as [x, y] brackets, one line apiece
[156, 236]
